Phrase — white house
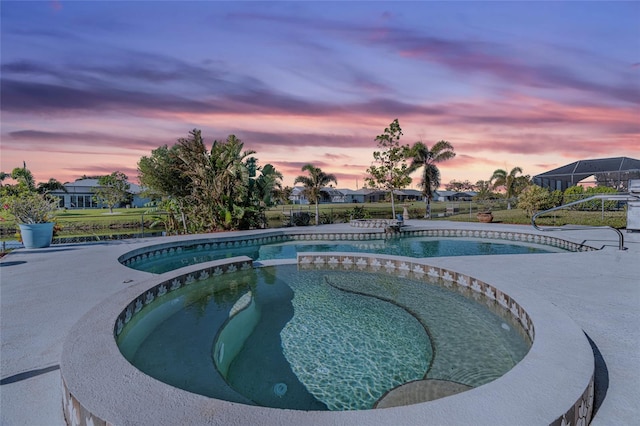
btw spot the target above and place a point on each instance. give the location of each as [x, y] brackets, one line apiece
[80, 194]
[327, 195]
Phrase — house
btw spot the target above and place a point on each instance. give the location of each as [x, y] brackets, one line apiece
[406, 195]
[355, 196]
[298, 196]
[453, 195]
[327, 195]
[80, 194]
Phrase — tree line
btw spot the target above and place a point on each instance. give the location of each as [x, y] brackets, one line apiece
[224, 187]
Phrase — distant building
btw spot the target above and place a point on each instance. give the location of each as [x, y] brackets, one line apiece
[405, 195]
[363, 195]
[453, 195]
[614, 172]
[80, 194]
[327, 195]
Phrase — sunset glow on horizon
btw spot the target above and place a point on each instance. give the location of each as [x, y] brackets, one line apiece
[88, 88]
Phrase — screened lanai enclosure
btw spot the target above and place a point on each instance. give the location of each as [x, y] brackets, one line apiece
[613, 172]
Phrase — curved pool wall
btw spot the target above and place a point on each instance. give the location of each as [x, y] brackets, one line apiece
[248, 240]
[101, 387]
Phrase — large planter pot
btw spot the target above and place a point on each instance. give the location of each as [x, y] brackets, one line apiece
[485, 217]
[36, 235]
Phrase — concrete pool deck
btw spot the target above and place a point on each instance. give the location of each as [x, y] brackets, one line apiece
[45, 292]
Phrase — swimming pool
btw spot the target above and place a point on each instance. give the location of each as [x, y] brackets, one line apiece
[412, 246]
[319, 339]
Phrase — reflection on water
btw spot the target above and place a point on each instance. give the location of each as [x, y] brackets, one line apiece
[411, 247]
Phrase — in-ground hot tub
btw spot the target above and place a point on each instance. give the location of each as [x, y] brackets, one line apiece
[320, 339]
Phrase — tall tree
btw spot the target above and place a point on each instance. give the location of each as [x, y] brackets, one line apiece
[220, 188]
[391, 171]
[24, 177]
[218, 180]
[112, 190]
[483, 187]
[425, 158]
[263, 192]
[231, 165]
[458, 186]
[284, 195]
[162, 179]
[314, 183]
[268, 185]
[509, 181]
[51, 185]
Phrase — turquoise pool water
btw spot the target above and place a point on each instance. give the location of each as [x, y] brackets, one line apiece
[318, 340]
[410, 246]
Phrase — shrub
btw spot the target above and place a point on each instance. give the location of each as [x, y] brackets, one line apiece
[555, 198]
[576, 193]
[534, 198]
[301, 218]
[326, 218]
[31, 207]
[357, 212]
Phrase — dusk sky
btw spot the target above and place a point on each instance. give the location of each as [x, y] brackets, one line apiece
[89, 87]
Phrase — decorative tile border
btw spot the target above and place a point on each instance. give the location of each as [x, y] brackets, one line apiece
[373, 223]
[217, 268]
[405, 267]
[200, 245]
[500, 235]
[75, 414]
[580, 413]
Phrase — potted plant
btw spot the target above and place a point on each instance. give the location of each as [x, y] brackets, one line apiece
[484, 214]
[34, 214]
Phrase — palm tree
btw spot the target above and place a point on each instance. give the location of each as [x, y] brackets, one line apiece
[24, 177]
[314, 183]
[231, 167]
[508, 181]
[51, 185]
[421, 156]
[217, 179]
[268, 185]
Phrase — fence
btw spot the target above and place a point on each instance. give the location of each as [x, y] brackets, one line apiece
[125, 225]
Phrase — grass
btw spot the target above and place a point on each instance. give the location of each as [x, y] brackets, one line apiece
[466, 212]
[616, 219]
[100, 222]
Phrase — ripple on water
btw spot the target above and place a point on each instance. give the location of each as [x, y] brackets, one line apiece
[348, 350]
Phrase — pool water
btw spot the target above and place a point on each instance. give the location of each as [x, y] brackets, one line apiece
[317, 340]
[411, 247]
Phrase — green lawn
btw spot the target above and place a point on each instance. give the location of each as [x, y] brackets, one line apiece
[616, 219]
[466, 212]
[101, 222]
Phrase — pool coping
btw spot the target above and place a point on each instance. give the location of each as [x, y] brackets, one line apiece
[533, 392]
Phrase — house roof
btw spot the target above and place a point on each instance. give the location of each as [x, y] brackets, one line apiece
[86, 185]
[579, 170]
[412, 192]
